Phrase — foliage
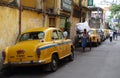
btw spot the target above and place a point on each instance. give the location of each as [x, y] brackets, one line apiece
[118, 25]
[115, 13]
[115, 9]
[67, 25]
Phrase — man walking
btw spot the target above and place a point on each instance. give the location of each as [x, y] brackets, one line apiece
[111, 35]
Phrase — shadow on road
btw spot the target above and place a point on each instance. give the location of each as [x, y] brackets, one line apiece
[32, 72]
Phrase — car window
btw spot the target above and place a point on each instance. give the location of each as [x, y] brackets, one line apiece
[31, 36]
[60, 34]
[98, 31]
[91, 32]
[55, 35]
[40, 35]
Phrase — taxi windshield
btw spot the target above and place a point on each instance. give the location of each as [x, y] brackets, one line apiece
[31, 36]
[91, 32]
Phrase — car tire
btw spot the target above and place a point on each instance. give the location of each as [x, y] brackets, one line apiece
[54, 63]
[71, 57]
[97, 43]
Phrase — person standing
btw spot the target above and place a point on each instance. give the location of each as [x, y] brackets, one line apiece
[84, 39]
[65, 33]
[111, 35]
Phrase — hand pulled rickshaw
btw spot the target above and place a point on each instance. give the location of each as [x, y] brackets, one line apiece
[82, 38]
[80, 41]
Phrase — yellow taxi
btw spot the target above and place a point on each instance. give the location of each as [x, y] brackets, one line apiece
[39, 46]
[106, 31]
[94, 36]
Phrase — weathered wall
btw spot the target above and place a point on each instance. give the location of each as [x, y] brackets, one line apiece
[84, 3]
[50, 3]
[31, 19]
[73, 27]
[29, 3]
[9, 24]
[57, 22]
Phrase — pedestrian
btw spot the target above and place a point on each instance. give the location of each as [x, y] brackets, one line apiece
[111, 35]
[116, 34]
[84, 39]
[65, 33]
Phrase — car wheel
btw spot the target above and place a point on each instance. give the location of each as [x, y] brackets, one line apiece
[71, 57]
[54, 64]
[97, 43]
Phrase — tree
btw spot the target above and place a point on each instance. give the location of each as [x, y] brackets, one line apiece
[115, 9]
[115, 13]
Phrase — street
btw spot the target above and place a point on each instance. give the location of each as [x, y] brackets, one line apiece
[101, 62]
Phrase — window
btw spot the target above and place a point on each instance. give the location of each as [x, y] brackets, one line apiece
[52, 22]
[91, 32]
[60, 34]
[55, 35]
[32, 36]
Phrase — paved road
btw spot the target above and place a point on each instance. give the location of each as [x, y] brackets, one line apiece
[101, 62]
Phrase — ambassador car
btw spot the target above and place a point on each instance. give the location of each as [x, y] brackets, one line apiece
[39, 46]
[95, 36]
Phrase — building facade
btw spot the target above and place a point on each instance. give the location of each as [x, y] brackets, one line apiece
[96, 17]
[79, 14]
[85, 10]
[20, 15]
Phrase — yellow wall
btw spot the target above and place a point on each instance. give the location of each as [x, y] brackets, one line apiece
[31, 19]
[29, 3]
[57, 22]
[9, 24]
[50, 3]
[73, 28]
[84, 3]
[76, 2]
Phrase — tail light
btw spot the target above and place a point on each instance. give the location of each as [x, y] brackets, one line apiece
[38, 53]
[3, 55]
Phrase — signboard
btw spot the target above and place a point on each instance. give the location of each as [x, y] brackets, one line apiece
[67, 5]
[116, 20]
[90, 2]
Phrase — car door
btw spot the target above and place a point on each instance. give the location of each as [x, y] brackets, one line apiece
[64, 41]
[58, 41]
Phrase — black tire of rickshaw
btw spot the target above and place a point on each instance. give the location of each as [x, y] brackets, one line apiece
[76, 39]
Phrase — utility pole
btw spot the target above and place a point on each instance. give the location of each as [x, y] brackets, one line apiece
[80, 10]
[20, 15]
[43, 11]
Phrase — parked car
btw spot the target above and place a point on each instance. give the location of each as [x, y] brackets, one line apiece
[94, 36]
[39, 46]
[106, 33]
[102, 34]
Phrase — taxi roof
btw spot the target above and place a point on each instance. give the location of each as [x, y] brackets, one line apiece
[39, 29]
